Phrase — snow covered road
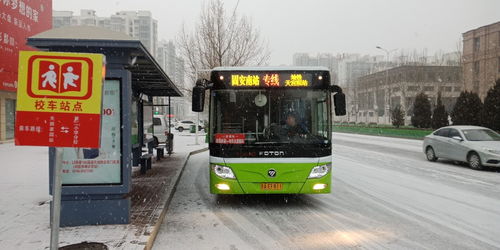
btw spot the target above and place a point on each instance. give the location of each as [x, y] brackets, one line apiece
[385, 195]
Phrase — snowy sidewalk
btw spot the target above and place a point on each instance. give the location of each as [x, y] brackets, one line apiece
[24, 209]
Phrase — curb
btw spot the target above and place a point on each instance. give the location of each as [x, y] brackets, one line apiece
[170, 195]
[7, 141]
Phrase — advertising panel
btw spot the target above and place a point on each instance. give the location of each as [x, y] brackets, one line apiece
[98, 165]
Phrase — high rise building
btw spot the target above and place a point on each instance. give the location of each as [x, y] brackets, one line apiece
[301, 59]
[61, 18]
[137, 24]
[175, 69]
[344, 68]
[166, 56]
[180, 72]
[140, 25]
[353, 66]
[322, 59]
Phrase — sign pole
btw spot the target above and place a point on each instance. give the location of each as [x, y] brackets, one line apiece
[196, 127]
[56, 201]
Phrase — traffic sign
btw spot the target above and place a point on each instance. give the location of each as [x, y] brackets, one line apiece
[59, 99]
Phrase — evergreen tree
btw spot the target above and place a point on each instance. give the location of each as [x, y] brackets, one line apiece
[491, 109]
[439, 115]
[398, 116]
[421, 117]
[459, 112]
[467, 109]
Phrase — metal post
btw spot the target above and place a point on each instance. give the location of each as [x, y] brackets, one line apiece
[196, 127]
[169, 116]
[197, 120]
[170, 142]
[56, 201]
[153, 108]
[388, 110]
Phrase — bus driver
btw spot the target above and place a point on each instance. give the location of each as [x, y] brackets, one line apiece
[292, 128]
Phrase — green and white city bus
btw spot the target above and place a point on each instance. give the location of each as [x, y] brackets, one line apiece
[270, 129]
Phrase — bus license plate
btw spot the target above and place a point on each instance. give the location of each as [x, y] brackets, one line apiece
[271, 186]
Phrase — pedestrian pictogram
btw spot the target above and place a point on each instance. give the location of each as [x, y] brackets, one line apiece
[59, 95]
[50, 77]
[59, 78]
[69, 78]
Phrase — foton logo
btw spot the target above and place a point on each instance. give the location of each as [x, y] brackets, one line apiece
[271, 153]
[271, 173]
[59, 76]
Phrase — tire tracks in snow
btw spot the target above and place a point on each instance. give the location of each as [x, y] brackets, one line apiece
[202, 190]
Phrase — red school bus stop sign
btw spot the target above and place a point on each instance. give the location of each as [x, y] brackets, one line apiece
[59, 99]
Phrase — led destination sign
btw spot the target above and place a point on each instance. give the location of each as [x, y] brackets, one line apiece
[268, 80]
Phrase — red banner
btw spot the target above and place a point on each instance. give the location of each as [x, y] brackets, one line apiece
[230, 138]
[19, 19]
[57, 129]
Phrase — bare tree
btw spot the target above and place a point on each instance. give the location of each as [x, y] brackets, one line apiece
[459, 51]
[221, 39]
[413, 57]
[460, 55]
[439, 58]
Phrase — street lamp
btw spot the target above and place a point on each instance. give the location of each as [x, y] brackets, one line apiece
[387, 52]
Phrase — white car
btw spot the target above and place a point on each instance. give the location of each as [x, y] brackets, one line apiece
[478, 146]
[186, 125]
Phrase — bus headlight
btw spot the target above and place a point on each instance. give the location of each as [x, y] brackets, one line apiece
[319, 171]
[319, 186]
[222, 186]
[223, 172]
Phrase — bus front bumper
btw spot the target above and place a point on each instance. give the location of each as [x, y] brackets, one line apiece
[232, 186]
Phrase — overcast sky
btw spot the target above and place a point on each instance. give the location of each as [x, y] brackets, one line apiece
[334, 26]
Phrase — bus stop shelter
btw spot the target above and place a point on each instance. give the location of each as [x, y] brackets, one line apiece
[96, 181]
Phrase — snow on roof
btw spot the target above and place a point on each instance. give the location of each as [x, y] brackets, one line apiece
[83, 32]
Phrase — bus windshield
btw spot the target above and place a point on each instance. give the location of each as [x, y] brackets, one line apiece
[270, 116]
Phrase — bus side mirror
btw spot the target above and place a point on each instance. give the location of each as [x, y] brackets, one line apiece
[198, 98]
[339, 102]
